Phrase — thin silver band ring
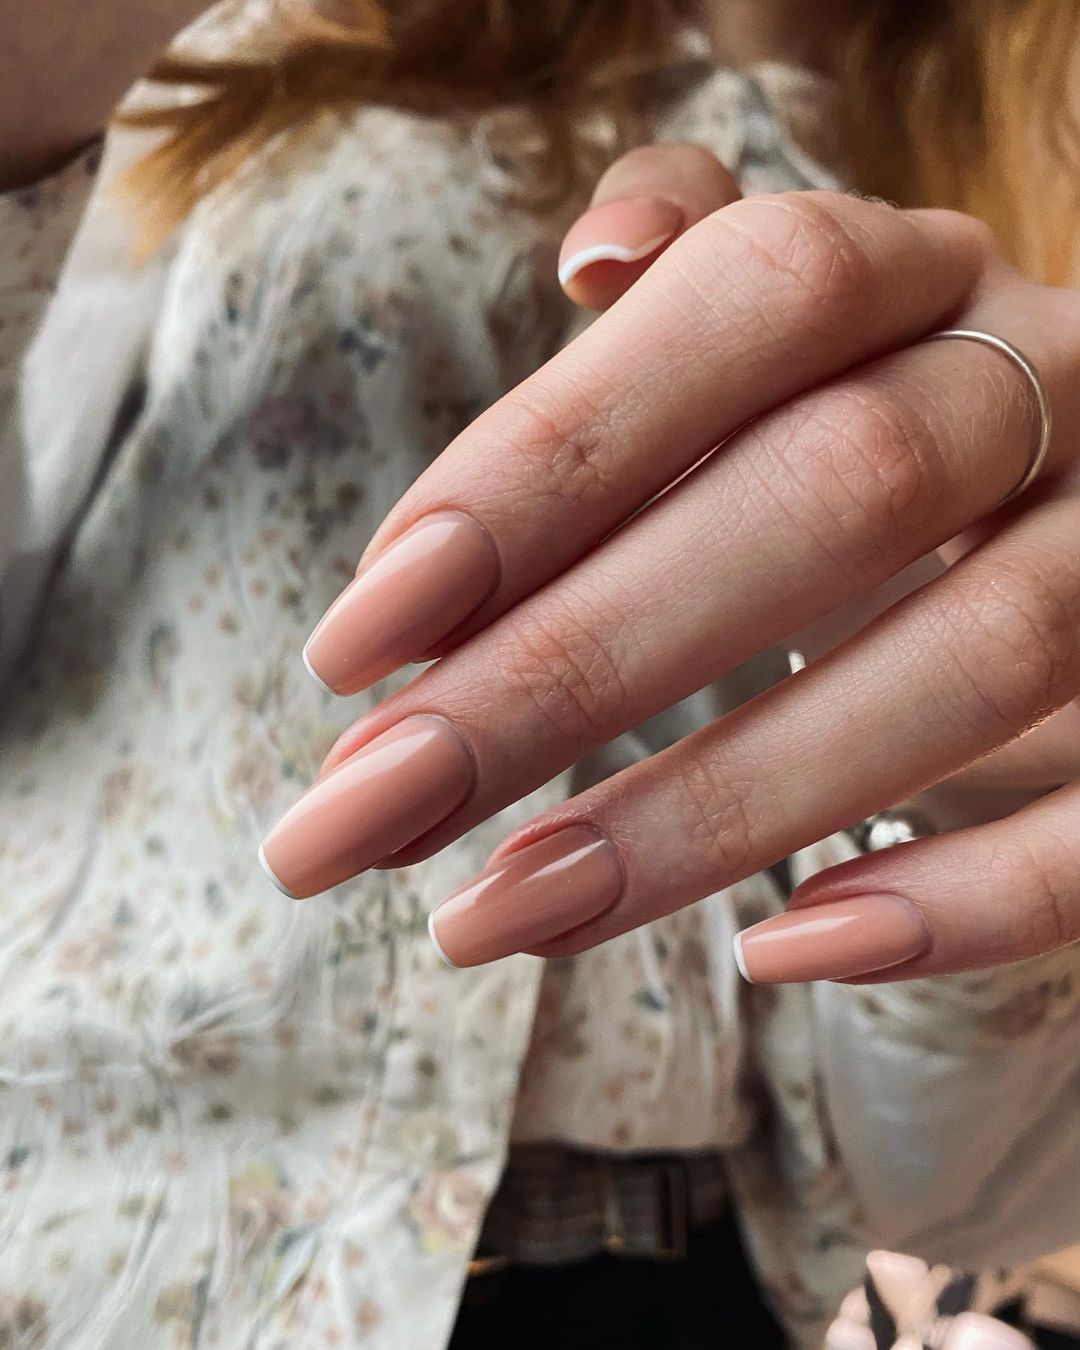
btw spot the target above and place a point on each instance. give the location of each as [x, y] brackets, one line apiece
[1017, 357]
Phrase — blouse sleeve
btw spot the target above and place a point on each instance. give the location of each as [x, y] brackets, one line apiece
[59, 244]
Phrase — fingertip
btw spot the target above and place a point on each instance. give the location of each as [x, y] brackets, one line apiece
[740, 959]
[608, 247]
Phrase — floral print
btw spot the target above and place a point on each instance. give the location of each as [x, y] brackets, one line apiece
[233, 1121]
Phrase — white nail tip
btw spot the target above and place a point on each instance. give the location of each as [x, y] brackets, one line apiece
[314, 673]
[585, 257]
[437, 944]
[273, 875]
[740, 960]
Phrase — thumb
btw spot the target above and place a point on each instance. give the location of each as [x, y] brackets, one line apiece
[644, 201]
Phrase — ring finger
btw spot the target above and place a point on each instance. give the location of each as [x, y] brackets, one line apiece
[812, 504]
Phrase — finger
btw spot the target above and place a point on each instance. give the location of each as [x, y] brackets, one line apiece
[643, 202]
[984, 897]
[806, 285]
[948, 674]
[820, 501]
[844, 1334]
[567, 671]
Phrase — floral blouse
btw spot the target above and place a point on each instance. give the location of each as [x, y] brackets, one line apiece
[229, 1120]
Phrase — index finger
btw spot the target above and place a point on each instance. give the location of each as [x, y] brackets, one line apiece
[755, 304]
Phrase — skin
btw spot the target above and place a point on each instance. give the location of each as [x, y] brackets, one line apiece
[65, 65]
[869, 449]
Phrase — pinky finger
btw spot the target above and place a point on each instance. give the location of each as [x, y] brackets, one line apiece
[979, 897]
[641, 205]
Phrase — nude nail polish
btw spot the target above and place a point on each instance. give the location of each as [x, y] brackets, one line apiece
[623, 231]
[833, 941]
[415, 592]
[528, 897]
[395, 789]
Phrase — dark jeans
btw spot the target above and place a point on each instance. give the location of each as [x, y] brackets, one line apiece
[706, 1302]
[709, 1301]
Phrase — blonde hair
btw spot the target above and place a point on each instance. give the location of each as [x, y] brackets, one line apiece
[960, 103]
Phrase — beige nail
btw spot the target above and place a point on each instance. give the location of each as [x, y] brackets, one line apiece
[833, 941]
[414, 593]
[528, 897]
[381, 798]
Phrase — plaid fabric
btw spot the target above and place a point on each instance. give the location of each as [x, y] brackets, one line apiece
[556, 1205]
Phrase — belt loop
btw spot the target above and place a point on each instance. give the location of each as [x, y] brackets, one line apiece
[611, 1211]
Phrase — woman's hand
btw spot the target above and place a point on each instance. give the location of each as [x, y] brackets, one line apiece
[569, 603]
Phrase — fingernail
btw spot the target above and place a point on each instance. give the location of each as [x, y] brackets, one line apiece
[415, 592]
[844, 1335]
[383, 797]
[621, 231]
[832, 942]
[529, 897]
[973, 1331]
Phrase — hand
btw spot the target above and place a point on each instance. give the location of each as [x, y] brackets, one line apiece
[569, 605]
[909, 1305]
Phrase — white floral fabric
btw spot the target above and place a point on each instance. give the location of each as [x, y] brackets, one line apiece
[228, 1120]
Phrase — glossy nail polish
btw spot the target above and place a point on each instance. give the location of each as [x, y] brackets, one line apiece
[528, 897]
[395, 789]
[832, 942]
[415, 592]
[622, 231]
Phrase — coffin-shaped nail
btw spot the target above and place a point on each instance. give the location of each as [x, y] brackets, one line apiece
[833, 941]
[528, 897]
[395, 789]
[415, 592]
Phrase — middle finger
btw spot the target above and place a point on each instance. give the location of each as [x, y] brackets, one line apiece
[805, 509]
[811, 284]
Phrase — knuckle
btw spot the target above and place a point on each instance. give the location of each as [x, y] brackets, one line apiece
[687, 155]
[1021, 655]
[806, 239]
[1042, 869]
[717, 818]
[558, 442]
[566, 674]
[874, 466]
[981, 236]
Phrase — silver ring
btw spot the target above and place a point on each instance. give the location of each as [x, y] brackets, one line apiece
[1017, 357]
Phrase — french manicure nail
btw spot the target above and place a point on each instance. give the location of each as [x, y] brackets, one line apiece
[395, 789]
[528, 897]
[973, 1331]
[622, 231]
[415, 592]
[833, 941]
